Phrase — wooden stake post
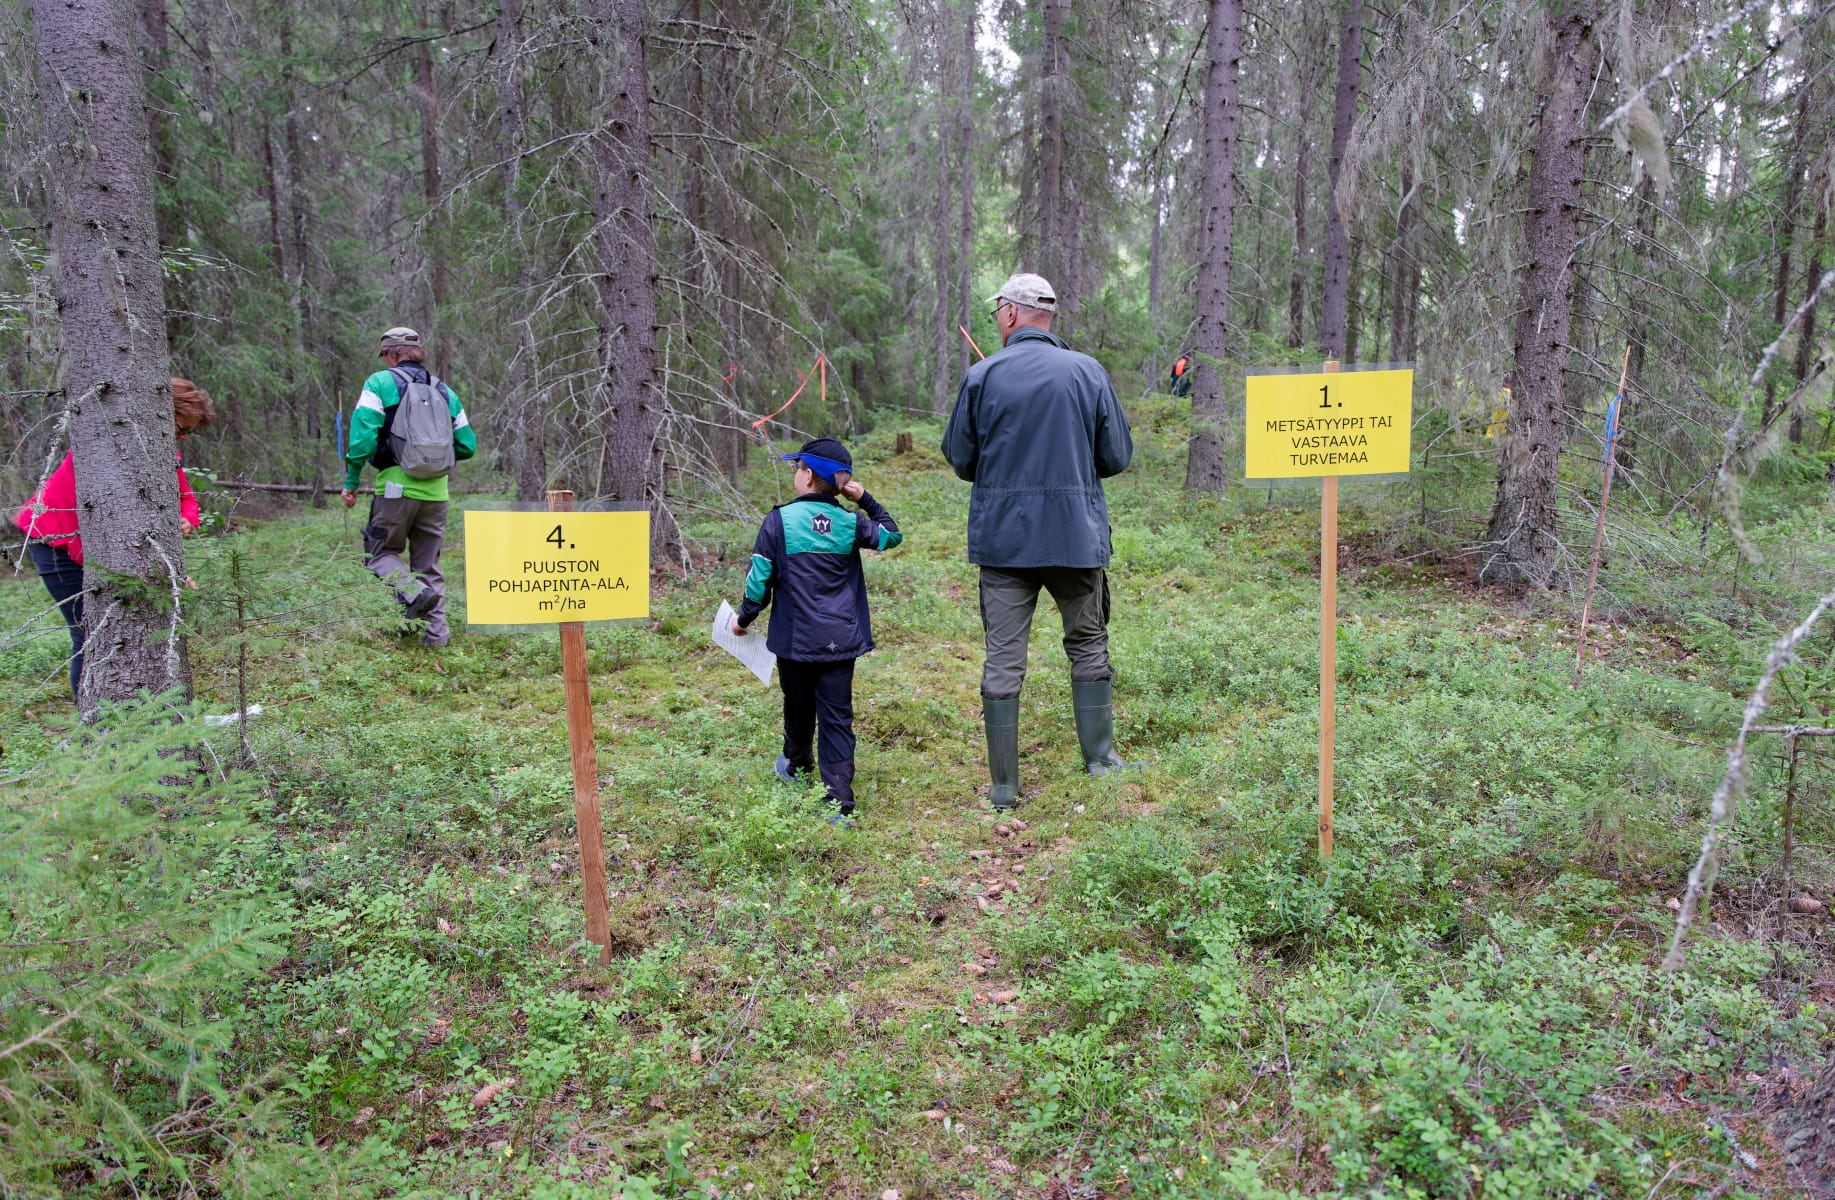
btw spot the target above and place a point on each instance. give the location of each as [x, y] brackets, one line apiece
[1300, 426]
[585, 769]
[529, 568]
[1328, 646]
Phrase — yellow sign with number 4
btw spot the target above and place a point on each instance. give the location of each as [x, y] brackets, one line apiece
[537, 568]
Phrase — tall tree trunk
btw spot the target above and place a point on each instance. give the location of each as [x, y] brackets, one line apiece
[1806, 340]
[940, 391]
[526, 409]
[1296, 280]
[965, 181]
[156, 48]
[115, 373]
[1205, 466]
[632, 466]
[1332, 305]
[1405, 271]
[428, 101]
[302, 373]
[1154, 270]
[1638, 323]
[1051, 207]
[1523, 541]
[1353, 303]
[1787, 207]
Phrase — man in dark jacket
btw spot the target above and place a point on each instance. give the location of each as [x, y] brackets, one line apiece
[1036, 428]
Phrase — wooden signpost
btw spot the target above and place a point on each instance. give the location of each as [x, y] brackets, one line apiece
[530, 568]
[1321, 426]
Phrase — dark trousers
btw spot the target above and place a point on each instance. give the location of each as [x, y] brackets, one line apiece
[63, 578]
[820, 696]
[418, 528]
[1009, 595]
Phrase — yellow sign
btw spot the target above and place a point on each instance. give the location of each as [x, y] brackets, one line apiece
[1344, 423]
[535, 568]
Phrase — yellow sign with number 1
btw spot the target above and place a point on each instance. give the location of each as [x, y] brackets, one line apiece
[1349, 423]
[537, 568]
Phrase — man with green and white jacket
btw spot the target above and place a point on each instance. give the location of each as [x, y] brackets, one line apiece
[408, 511]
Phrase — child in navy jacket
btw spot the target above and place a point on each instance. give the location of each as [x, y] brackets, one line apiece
[806, 565]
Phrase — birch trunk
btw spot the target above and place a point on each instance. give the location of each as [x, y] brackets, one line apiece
[115, 372]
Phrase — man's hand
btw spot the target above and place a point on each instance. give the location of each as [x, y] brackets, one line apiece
[738, 629]
[350, 498]
[853, 491]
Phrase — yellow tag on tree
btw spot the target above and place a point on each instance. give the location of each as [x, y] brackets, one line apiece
[537, 568]
[1343, 423]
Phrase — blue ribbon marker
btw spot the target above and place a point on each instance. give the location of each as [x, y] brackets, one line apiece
[1612, 420]
[340, 433]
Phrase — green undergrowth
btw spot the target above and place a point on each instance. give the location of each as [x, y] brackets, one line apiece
[347, 955]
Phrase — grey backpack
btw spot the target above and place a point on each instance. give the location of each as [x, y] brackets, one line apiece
[420, 435]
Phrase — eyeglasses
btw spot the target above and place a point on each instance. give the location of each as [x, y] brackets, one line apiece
[995, 311]
[184, 431]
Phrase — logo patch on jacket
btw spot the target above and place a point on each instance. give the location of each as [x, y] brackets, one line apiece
[821, 523]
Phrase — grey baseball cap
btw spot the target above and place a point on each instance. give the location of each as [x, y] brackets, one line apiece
[1031, 290]
[401, 335]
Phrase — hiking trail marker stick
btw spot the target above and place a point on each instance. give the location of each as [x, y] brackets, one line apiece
[1599, 534]
[970, 341]
[1302, 426]
[564, 568]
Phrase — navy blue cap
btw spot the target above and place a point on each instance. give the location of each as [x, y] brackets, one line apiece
[824, 456]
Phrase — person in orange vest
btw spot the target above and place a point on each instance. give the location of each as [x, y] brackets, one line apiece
[1181, 376]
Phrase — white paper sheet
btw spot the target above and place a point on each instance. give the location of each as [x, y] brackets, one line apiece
[749, 649]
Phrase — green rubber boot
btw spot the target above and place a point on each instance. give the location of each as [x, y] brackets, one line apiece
[1093, 705]
[1001, 719]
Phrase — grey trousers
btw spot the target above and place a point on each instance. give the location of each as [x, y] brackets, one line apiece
[419, 528]
[1008, 598]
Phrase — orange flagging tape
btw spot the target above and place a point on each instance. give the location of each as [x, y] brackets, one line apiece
[821, 364]
[971, 343]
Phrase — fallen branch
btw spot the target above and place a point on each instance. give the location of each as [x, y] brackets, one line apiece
[1783, 653]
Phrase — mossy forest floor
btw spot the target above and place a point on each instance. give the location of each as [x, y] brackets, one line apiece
[1142, 986]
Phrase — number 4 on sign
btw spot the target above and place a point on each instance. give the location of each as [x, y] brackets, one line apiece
[555, 537]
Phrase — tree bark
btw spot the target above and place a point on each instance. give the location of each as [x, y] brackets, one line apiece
[1353, 302]
[965, 181]
[1806, 339]
[302, 342]
[427, 99]
[1523, 541]
[632, 464]
[1296, 281]
[1052, 252]
[1336, 290]
[1405, 272]
[1806, 1133]
[526, 410]
[1205, 467]
[115, 370]
[941, 393]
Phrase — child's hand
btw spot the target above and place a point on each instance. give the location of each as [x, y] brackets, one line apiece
[738, 629]
[853, 491]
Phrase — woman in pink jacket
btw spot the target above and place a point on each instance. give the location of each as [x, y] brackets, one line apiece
[49, 520]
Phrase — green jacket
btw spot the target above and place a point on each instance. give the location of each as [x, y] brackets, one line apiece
[369, 424]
